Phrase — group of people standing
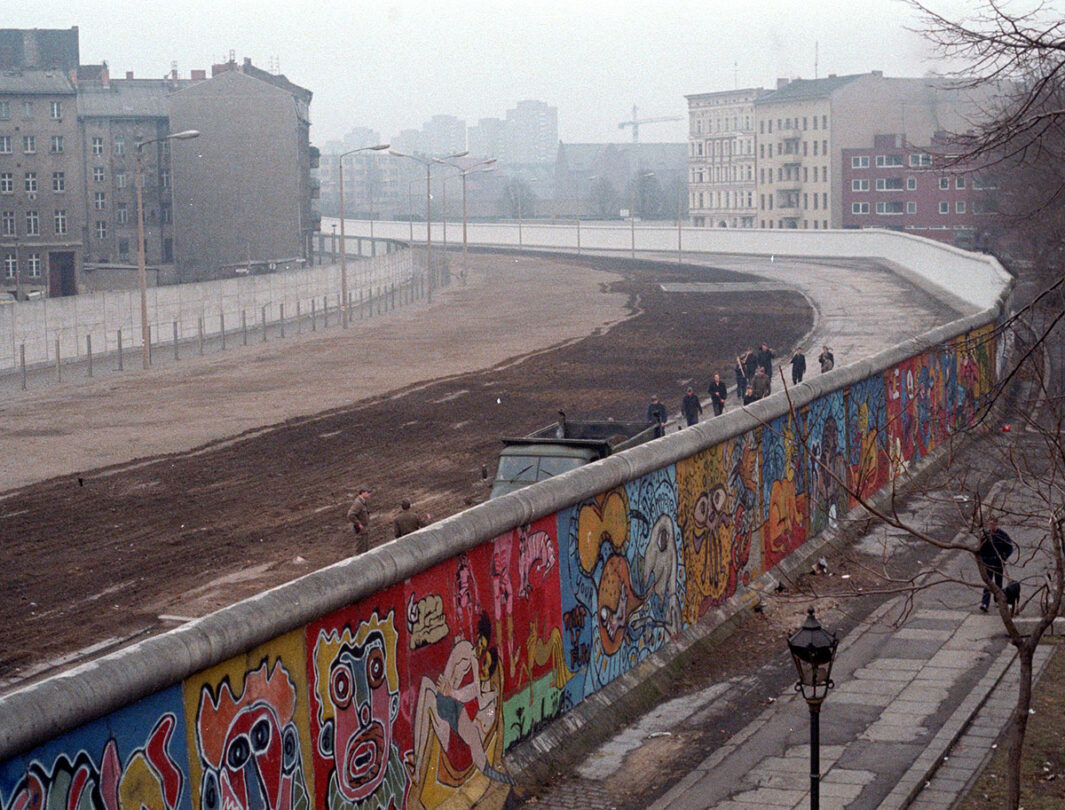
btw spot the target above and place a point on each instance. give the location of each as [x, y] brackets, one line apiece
[754, 380]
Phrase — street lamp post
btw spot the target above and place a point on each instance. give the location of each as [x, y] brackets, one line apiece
[813, 649]
[343, 242]
[586, 180]
[475, 168]
[428, 164]
[682, 189]
[142, 270]
[632, 211]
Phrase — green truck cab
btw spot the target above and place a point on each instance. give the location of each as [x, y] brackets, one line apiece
[560, 447]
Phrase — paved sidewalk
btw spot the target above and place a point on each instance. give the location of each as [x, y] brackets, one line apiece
[912, 719]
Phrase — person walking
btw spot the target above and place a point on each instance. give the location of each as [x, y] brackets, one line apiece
[719, 394]
[359, 515]
[995, 548]
[826, 359]
[691, 407]
[749, 396]
[656, 415]
[407, 520]
[764, 358]
[798, 366]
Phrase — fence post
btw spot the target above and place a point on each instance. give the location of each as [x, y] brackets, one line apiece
[222, 328]
[299, 321]
[244, 325]
[58, 367]
[325, 311]
[148, 341]
[22, 363]
[393, 297]
[177, 356]
[314, 315]
[119, 349]
[264, 324]
[88, 351]
[362, 306]
[282, 319]
[199, 335]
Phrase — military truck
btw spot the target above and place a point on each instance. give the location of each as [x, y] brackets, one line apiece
[562, 446]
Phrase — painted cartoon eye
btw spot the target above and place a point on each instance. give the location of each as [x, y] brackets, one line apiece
[340, 687]
[289, 749]
[701, 509]
[260, 736]
[209, 795]
[239, 753]
[375, 668]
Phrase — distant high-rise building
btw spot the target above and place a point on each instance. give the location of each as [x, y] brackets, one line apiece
[444, 135]
[411, 141]
[531, 133]
[360, 137]
[488, 139]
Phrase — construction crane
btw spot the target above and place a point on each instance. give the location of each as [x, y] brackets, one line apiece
[636, 121]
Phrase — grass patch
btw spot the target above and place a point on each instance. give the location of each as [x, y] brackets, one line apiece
[1043, 766]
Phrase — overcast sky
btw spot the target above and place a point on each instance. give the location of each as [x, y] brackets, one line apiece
[392, 65]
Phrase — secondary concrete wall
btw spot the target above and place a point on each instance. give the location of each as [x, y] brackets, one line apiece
[401, 677]
[971, 281]
[37, 325]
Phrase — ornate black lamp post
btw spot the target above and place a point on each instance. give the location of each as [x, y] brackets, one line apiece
[813, 649]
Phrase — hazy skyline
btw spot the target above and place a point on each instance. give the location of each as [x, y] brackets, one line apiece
[393, 65]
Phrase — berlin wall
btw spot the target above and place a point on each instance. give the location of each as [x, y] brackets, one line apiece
[402, 677]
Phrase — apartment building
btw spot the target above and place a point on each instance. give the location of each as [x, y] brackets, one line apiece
[804, 125]
[41, 201]
[895, 185]
[721, 158]
[531, 134]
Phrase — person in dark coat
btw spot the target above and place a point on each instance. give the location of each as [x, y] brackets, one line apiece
[750, 363]
[764, 358]
[719, 393]
[691, 407]
[749, 396]
[798, 366]
[760, 384]
[741, 379]
[656, 415]
[407, 520]
[995, 548]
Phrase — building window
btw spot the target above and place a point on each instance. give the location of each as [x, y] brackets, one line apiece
[5, 110]
[10, 266]
[59, 181]
[29, 144]
[860, 185]
[31, 182]
[944, 207]
[959, 207]
[815, 147]
[889, 184]
[164, 178]
[893, 207]
[959, 183]
[860, 162]
[7, 223]
[97, 145]
[120, 148]
[920, 159]
[97, 174]
[121, 214]
[911, 183]
[888, 160]
[99, 200]
[944, 184]
[911, 207]
[824, 202]
[5, 144]
[120, 179]
[7, 183]
[123, 247]
[57, 144]
[55, 110]
[101, 229]
[27, 109]
[860, 208]
[33, 223]
[35, 265]
[60, 221]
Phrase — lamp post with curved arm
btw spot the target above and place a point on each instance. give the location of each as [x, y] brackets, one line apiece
[428, 164]
[632, 213]
[142, 270]
[343, 242]
[474, 168]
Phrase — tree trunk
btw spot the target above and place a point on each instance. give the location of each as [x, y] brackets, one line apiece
[1018, 726]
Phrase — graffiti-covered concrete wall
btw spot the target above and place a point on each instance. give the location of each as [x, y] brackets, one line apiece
[401, 679]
